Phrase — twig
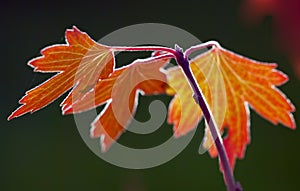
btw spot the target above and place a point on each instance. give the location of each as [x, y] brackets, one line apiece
[182, 61]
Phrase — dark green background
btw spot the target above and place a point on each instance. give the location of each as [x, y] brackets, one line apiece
[44, 151]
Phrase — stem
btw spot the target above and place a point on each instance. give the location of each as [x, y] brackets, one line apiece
[200, 46]
[159, 57]
[144, 48]
[182, 61]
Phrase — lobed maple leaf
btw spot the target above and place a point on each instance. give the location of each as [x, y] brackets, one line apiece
[120, 94]
[244, 81]
[80, 64]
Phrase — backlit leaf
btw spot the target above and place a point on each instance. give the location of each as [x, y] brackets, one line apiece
[120, 94]
[230, 83]
[80, 64]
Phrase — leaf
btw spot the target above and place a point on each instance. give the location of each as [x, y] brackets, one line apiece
[230, 83]
[120, 94]
[80, 64]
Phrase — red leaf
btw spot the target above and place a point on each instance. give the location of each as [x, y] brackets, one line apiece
[120, 94]
[229, 83]
[80, 63]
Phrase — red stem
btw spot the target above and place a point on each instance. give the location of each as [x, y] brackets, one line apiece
[144, 48]
[200, 46]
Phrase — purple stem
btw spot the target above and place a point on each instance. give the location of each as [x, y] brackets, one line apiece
[199, 98]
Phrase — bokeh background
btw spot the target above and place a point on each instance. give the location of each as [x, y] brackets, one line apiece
[44, 151]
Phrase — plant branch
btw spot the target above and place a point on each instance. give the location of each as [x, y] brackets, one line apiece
[182, 61]
[199, 47]
[144, 48]
[158, 57]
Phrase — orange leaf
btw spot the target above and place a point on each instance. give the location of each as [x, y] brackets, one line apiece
[120, 94]
[229, 83]
[80, 63]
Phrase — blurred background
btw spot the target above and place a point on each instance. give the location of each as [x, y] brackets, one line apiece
[44, 151]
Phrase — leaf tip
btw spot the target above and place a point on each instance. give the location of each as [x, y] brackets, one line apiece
[10, 117]
[16, 113]
[67, 111]
[177, 134]
[292, 123]
[103, 143]
[104, 147]
[73, 29]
